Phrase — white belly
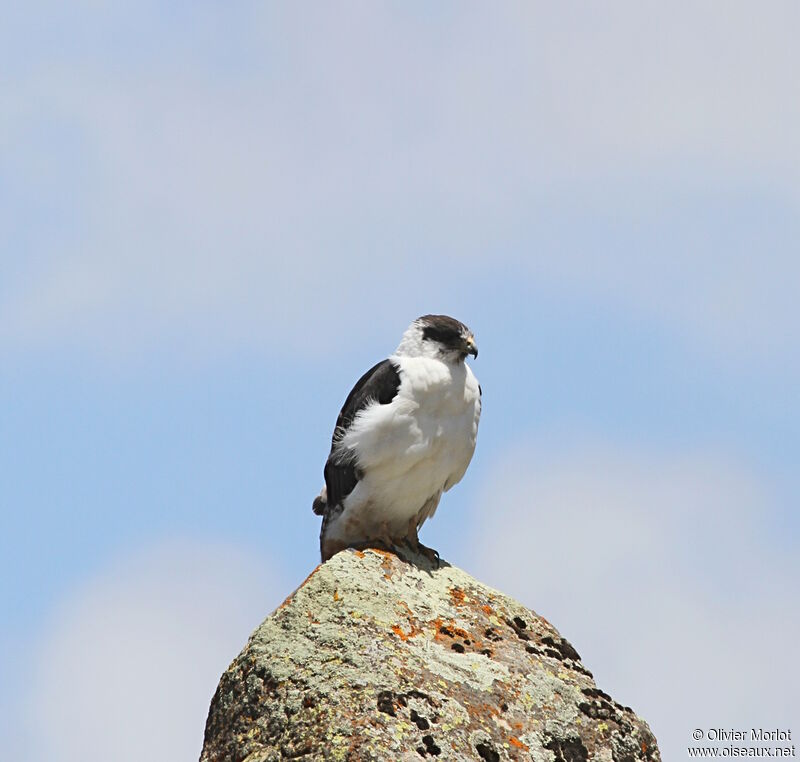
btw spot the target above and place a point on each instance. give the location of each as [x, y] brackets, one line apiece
[411, 450]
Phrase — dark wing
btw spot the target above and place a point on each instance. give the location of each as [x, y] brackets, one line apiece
[379, 384]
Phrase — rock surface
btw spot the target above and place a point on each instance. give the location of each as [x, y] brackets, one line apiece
[374, 658]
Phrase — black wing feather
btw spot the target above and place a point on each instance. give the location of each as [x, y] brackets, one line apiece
[379, 384]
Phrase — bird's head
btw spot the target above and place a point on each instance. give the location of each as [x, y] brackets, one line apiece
[440, 337]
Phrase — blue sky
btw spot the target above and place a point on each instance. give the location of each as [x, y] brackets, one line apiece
[212, 220]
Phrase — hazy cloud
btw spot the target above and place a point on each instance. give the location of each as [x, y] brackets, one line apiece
[128, 665]
[208, 187]
[667, 573]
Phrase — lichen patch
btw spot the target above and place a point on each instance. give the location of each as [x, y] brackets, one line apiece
[374, 657]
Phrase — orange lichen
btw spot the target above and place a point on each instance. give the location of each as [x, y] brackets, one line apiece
[516, 742]
[488, 610]
[388, 562]
[308, 578]
[484, 710]
[412, 620]
[438, 635]
[447, 634]
[336, 595]
[381, 552]
[457, 596]
[404, 636]
[304, 583]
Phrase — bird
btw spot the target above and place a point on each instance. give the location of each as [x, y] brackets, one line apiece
[405, 434]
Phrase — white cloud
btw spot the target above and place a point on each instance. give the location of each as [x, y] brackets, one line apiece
[201, 204]
[664, 574]
[127, 668]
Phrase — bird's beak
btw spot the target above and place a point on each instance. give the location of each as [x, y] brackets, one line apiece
[471, 347]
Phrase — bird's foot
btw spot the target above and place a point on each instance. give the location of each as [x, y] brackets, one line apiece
[431, 554]
[415, 546]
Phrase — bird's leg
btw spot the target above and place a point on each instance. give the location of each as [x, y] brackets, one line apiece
[412, 540]
[387, 540]
[384, 541]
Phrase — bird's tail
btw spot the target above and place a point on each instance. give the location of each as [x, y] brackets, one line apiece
[320, 504]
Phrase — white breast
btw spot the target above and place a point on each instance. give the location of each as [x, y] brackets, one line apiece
[416, 447]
